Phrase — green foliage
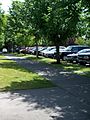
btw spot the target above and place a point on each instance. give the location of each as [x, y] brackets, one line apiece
[55, 20]
[80, 41]
[2, 26]
[17, 30]
[47, 22]
[84, 20]
[88, 42]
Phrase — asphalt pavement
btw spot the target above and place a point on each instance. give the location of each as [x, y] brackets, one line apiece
[70, 100]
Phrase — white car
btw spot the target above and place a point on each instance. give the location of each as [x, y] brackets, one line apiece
[52, 52]
[4, 50]
[46, 50]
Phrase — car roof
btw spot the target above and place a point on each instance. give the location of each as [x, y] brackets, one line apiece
[78, 46]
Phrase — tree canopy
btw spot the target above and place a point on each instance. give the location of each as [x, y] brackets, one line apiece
[2, 26]
[52, 21]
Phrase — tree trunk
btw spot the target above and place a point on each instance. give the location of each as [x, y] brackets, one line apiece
[57, 54]
[36, 49]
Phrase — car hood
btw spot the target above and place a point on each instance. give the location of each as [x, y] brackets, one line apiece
[84, 53]
[73, 54]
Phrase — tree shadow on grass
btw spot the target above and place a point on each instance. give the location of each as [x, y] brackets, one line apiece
[73, 68]
[8, 64]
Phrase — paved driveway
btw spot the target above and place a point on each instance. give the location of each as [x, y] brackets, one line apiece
[42, 104]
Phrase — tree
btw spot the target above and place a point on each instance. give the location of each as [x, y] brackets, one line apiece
[55, 20]
[16, 29]
[84, 20]
[2, 26]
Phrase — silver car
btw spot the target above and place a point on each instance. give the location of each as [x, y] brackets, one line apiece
[74, 57]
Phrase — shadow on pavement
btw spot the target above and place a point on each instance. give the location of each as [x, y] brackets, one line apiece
[71, 100]
[54, 102]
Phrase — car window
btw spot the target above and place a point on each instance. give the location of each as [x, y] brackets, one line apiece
[75, 49]
[68, 48]
[81, 48]
[88, 51]
[84, 51]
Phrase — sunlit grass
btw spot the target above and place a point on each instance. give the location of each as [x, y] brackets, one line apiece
[1, 56]
[77, 69]
[33, 57]
[14, 77]
[42, 59]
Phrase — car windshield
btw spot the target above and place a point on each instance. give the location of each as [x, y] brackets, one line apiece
[68, 48]
[53, 50]
[62, 47]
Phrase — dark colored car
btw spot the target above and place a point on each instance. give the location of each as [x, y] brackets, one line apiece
[84, 58]
[74, 57]
[70, 50]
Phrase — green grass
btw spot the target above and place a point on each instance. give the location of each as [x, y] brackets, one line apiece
[39, 59]
[78, 69]
[14, 77]
[74, 68]
[2, 57]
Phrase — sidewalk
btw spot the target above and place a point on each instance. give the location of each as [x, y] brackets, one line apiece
[69, 101]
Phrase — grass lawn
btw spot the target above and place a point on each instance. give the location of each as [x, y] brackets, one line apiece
[33, 57]
[14, 77]
[77, 69]
[74, 68]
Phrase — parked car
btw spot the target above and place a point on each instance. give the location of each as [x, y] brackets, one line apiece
[73, 57]
[84, 58]
[43, 52]
[4, 50]
[30, 49]
[33, 51]
[40, 48]
[22, 50]
[52, 52]
[70, 50]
